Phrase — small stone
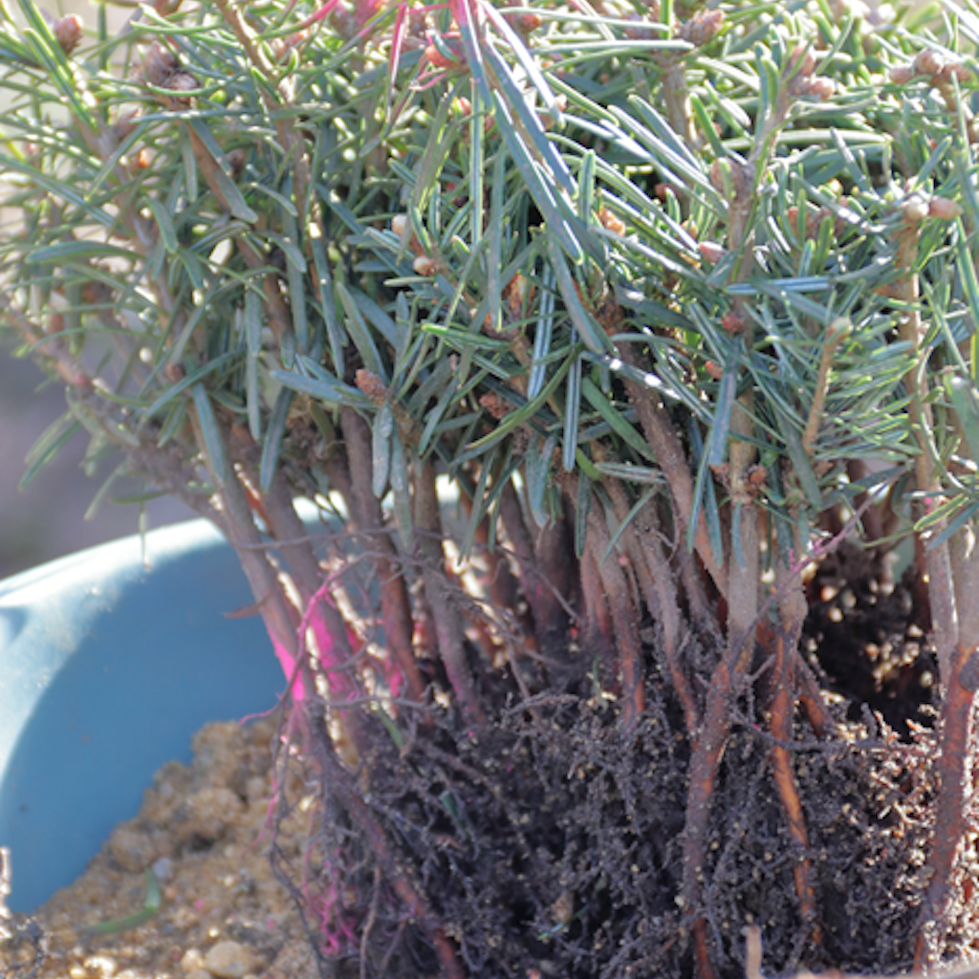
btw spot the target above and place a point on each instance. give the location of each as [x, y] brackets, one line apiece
[192, 961]
[198, 974]
[229, 960]
[131, 849]
[104, 965]
[207, 815]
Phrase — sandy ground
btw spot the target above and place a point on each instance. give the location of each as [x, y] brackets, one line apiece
[204, 830]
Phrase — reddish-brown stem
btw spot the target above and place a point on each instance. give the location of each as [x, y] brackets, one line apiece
[950, 816]
[550, 619]
[641, 542]
[676, 97]
[941, 595]
[704, 763]
[281, 620]
[504, 588]
[555, 563]
[366, 511]
[304, 569]
[597, 637]
[792, 614]
[708, 748]
[954, 650]
[445, 615]
[958, 709]
[669, 454]
[622, 608]
[699, 608]
[811, 698]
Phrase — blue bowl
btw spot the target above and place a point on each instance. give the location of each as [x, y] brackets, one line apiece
[110, 660]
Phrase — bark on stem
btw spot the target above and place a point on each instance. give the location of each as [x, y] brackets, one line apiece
[615, 588]
[958, 708]
[656, 580]
[598, 633]
[792, 614]
[937, 563]
[954, 655]
[366, 510]
[550, 618]
[448, 623]
[280, 619]
[668, 452]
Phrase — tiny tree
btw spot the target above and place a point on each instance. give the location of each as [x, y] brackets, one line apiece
[678, 304]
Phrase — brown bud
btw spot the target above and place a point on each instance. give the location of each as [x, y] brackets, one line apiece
[425, 265]
[714, 371]
[526, 23]
[495, 405]
[548, 121]
[182, 81]
[702, 28]
[56, 323]
[517, 292]
[944, 209]
[95, 293]
[801, 62]
[711, 251]
[283, 46]
[159, 64]
[959, 73]
[236, 161]
[68, 32]
[733, 323]
[371, 385]
[915, 209]
[174, 372]
[609, 313]
[928, 62]
[436, 59]
[345, 22]
[902, 74]
[820, 88]
[418, 22]
[611, 221]
[640, 29]
[141, 161]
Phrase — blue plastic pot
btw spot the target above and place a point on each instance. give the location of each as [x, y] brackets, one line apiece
[107, 667]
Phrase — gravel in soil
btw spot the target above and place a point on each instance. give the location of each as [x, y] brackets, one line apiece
[204, 828]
